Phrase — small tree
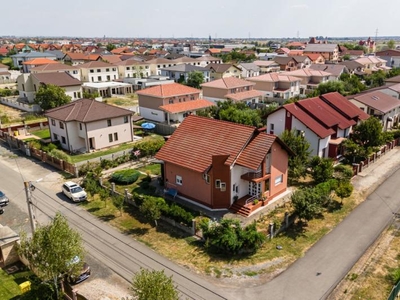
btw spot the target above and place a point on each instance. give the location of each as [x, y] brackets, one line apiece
[51, 249]
[321, 169]
[368, 133]
[119, 202]
[51, 96]
[195, 78]
[151, 208]
[306, 204]
[104, 194]
[153, 285]
[344, 189]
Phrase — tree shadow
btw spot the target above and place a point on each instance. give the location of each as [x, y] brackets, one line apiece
[93, 209]
[107, 218]
[334, 206]
[296, 230]
[137, 231]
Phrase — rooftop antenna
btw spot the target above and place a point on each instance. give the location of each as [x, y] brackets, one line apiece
[376, 35]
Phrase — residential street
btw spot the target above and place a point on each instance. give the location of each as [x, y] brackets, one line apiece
[311, 277]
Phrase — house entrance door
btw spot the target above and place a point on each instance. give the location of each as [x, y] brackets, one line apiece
[91, 143]
[254, 189]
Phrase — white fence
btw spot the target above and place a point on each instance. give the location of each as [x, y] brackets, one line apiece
[13, 102]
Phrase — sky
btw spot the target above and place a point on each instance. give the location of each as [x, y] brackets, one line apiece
[199, 19]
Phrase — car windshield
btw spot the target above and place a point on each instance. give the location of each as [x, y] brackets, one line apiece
[76, 189]
[2, 195]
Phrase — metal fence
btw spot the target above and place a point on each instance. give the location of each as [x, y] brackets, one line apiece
[394, 294]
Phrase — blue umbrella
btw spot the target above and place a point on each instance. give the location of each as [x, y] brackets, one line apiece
[148, 126]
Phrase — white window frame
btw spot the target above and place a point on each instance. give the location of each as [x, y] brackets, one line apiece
[178, 180]
[218, 183]
[278, 179]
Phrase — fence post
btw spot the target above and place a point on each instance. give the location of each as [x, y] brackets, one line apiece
[286, 220]
[113, 188]
[271, 230]
[101, 181]
[126, 195]
[193, 227]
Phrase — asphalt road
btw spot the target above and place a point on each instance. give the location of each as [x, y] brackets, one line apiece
[116, 251]
[311, 277]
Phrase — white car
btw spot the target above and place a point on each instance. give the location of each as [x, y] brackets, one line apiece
[74, 191]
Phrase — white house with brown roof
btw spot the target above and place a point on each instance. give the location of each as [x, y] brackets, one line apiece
[58, 67]
[310, 79]
[372, 64]
[170, 103]
[231, 88]
[29, 83]
[86, 125]
[267, 66]
[380, 105]
[98, 71]
[218, 71]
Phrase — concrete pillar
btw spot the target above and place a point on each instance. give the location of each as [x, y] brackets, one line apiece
[271, 230]
[101, 181]
[112, 188]
[193, 227]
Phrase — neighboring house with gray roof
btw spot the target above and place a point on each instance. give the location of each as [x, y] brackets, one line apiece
[328, 51]
[353, 67]
[86, 125]
[303, 61]
[20, 58]
[29, 83]
[249, 70]
[380, 105]
[180, 73]
[334, 70]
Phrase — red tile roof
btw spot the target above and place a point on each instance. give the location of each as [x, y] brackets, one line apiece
[340, 103]
[94, 64]
[324, 113]
[308, 120]
[253, 155]
[197, 139]
[168, 90]
[86, 110]
[186, 106]
[244, 95]
[228, 83]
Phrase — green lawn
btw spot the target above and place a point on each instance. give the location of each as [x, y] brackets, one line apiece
[153, 169]
[9, 284]
[43, 133]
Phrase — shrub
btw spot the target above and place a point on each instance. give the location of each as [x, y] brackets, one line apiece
[60, 155]
[148, 147]
[343, 172]
[88, 168]
[106, 164]
[91, 185]
[35, 144]
[178, 214]
[125, 177]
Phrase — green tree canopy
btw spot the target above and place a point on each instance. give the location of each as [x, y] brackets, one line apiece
[301, 148]
[51, 96]
[306, 203]
[368, 133]
[321, 169]
[195, 78]
[331, 86]
[153, 285]
[52, 248]
[110, 47]
[391, 44]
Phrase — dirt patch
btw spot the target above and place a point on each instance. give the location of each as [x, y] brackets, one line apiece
[12, 113]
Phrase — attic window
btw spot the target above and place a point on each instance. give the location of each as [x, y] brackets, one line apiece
[218, 183]
[206, 177]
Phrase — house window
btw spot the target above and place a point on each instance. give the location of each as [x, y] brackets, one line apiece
[115, 136]
[63, 140]
[80, 126]
[178, 180]
[109, 122]
[23, 87]
[206, 177]
[108, 78]
[128, 68]
[272, 128]
[125, 119]
[74, 94]
[98, 78]
[61, 125]
[170, 101]
[107, 70]
[223, 186]
[53, 122]
[79, 94]
[98, 70]
[278, 179]
[55, 137]
[110, 137]
[91, 71]
[218, 183]
[34, 86]
[114, 69]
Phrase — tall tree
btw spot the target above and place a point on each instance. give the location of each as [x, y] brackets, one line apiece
[321, 169]
[301, 148]
[331, 86]
[306, 203]
[195, 78]
[368, 133]
[50, 96]
[51, 249]
[110, 47]
[153, 285]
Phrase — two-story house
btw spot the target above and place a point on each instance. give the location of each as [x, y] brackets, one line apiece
[218, 71]
[29, 83]
[310, 79]
[98, 71]
[249, 70]
[208, 59]
[329, 51]
[180, 73]
[132, 68]
[372, 64]
[335, 70]
[79, 58]
[168, 103]
[286, 63]
[231, 88]
[85, 125]
[275, 85]
[57, 67]
[217, 163]
[391, 56]
[324, 121]
[267, 66]
[380, 105]
[20, 58]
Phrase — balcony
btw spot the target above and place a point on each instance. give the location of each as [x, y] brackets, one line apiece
[255, 176]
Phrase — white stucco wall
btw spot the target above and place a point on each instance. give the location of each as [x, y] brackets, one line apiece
[278, 119]
[152, 114]
[243, 185]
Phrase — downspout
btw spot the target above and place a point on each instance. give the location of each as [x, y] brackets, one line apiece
[87, 139]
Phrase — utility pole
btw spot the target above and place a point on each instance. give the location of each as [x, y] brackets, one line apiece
[27, 185]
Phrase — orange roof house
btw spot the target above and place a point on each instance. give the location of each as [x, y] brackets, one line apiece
[224, 165]
[154, 102]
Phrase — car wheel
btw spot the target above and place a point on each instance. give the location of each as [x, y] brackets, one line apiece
[1, 211]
